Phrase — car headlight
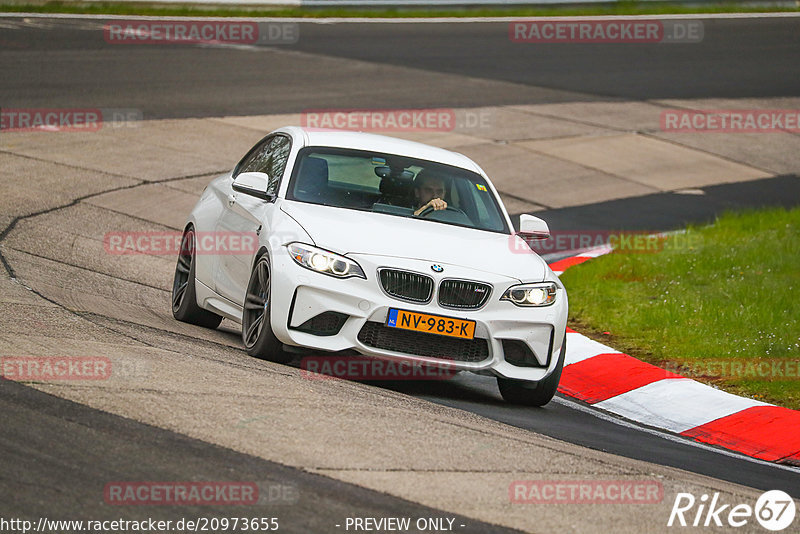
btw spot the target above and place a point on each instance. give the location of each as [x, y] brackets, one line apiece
[543, 294]
[324, 262]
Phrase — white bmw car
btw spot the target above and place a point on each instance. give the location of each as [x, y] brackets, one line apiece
[380, 246]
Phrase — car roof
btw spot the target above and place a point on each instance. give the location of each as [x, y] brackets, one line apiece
[379, 143]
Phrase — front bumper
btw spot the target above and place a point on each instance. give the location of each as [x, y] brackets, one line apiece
[299, 295]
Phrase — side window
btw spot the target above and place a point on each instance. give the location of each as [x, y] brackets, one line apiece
[269, 157]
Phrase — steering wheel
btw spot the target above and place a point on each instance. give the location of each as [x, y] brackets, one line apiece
[430, 209]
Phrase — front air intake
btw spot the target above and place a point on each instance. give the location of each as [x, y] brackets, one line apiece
[405, 285]
[463, 294]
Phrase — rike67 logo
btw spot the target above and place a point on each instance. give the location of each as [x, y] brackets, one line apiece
[774, 510]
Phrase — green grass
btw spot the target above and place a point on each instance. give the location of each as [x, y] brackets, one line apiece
[188, 10]
[723, 294]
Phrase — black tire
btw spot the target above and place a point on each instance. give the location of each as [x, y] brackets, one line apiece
[257, 335]
[533, 393]
[184, 298]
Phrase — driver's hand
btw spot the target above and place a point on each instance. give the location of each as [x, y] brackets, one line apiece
[436, 203]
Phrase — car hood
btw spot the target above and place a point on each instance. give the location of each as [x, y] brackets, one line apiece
[360, 232]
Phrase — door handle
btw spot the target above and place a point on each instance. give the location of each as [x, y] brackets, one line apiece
[231, 199]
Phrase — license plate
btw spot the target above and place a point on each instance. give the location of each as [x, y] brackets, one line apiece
[432, 324]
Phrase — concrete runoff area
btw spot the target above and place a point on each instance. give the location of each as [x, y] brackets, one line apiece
[42, 434]
[69, 297]
[584, 153]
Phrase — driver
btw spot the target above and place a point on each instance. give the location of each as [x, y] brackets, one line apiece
[428, 192]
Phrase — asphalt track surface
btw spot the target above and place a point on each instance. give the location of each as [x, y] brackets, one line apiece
[66, 63]
[670, 211]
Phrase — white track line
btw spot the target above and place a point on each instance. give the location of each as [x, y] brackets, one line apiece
[434, 20]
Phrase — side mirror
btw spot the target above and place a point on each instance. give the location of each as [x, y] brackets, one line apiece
[254, 184]
[533, 227]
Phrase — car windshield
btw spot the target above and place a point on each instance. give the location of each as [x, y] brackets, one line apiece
[394, 185]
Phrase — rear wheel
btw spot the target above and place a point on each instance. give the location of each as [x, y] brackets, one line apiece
[533, 393]
[184, 298]
[257, 335]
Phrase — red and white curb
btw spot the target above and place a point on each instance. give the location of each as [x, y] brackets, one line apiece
[620, 384]
[560, 266]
